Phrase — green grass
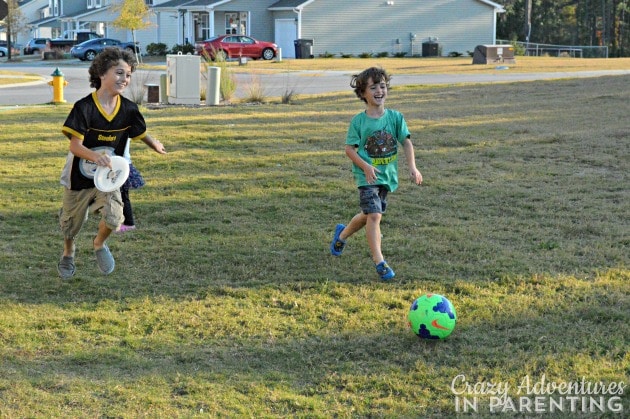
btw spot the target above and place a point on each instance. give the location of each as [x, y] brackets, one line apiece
[226, 301]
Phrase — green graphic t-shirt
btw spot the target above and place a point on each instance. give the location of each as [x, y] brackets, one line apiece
[377, 141]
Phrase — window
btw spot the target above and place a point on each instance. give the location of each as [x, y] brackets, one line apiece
[202, 26]
[231, 23]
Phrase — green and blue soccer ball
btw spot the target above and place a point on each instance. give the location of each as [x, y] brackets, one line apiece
[432, 316]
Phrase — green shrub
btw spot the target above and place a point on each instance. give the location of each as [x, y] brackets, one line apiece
[365, 55]
[184, 49]
[157, 49]
[227, 81]
[382, 54]
[519, 48]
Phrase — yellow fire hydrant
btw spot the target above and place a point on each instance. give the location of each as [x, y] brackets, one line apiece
[58, 83]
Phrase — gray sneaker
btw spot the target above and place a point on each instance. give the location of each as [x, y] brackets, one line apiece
[105, 260]
[66, 267]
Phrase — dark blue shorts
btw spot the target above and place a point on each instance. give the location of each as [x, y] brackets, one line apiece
[373, 199]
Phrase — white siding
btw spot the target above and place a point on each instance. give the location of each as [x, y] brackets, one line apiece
[30, 12]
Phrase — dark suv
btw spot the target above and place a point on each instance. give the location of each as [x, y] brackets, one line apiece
[36, 45]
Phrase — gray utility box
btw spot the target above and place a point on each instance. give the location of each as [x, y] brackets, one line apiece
[491, 54]
[183, 74]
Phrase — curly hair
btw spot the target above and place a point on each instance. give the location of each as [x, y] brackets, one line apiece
[106, 60]
[359, 82]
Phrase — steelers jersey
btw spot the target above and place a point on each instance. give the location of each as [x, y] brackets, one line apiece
[101, 132]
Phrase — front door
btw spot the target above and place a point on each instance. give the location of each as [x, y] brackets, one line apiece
[286, 34]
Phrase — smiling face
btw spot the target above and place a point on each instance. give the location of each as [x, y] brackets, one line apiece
[364, 83]
[375, 93]
[117, 78]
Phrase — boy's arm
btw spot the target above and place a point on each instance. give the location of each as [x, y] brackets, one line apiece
[369, 170]
[154, 144]
[78, 149]
[415, 174]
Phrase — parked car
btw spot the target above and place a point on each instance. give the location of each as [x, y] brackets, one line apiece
[36, 45]
[89, 49]
[4, 51]
[70, 39]
[235, 46]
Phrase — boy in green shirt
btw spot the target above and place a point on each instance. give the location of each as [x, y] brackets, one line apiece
[372, 144]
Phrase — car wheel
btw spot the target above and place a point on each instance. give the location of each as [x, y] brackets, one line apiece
[90, 55]
[1, 53]
[131, 50]
[268, 54]
[35, 51]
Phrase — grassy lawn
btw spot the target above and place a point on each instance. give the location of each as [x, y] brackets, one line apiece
[226, 302]
[440, 65]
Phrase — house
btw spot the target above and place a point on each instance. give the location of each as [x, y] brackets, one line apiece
[63, 18]
[4, 9]
[337, 26]
[405, 27]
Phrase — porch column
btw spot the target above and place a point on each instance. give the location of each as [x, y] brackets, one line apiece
[211, 20]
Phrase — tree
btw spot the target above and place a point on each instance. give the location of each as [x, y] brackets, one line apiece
[133, 15]
[569, 22]
[14, 22]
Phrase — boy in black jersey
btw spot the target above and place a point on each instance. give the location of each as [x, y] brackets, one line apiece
[98, 126]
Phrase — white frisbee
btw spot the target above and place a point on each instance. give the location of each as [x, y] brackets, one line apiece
[108, 180]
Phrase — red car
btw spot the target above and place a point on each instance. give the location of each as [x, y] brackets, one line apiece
[235, 46]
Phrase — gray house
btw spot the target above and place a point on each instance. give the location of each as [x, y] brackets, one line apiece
[409, 27]
[336, 26]
[63, 18]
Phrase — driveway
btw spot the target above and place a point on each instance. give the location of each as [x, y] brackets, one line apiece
[273, 85]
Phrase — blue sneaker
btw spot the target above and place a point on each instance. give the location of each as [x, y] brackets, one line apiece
[337, 245]
[384, 271]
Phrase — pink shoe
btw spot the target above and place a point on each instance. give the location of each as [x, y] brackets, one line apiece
[124, 228]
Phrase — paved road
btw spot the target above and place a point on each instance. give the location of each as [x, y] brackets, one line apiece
[273, 85]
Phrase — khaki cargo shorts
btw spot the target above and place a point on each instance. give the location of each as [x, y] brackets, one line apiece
[77, 205]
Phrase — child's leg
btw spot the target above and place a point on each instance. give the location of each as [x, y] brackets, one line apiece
[72, 216]
[373, 234]
[68, 247]
[110, 206]
[101, 235]
[127, 209]
[356, 224]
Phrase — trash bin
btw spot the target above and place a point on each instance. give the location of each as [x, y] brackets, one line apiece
[303, 48]
[298, 48]
[430, 49]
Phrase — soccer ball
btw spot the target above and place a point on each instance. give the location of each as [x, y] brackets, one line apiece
[432, 316]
